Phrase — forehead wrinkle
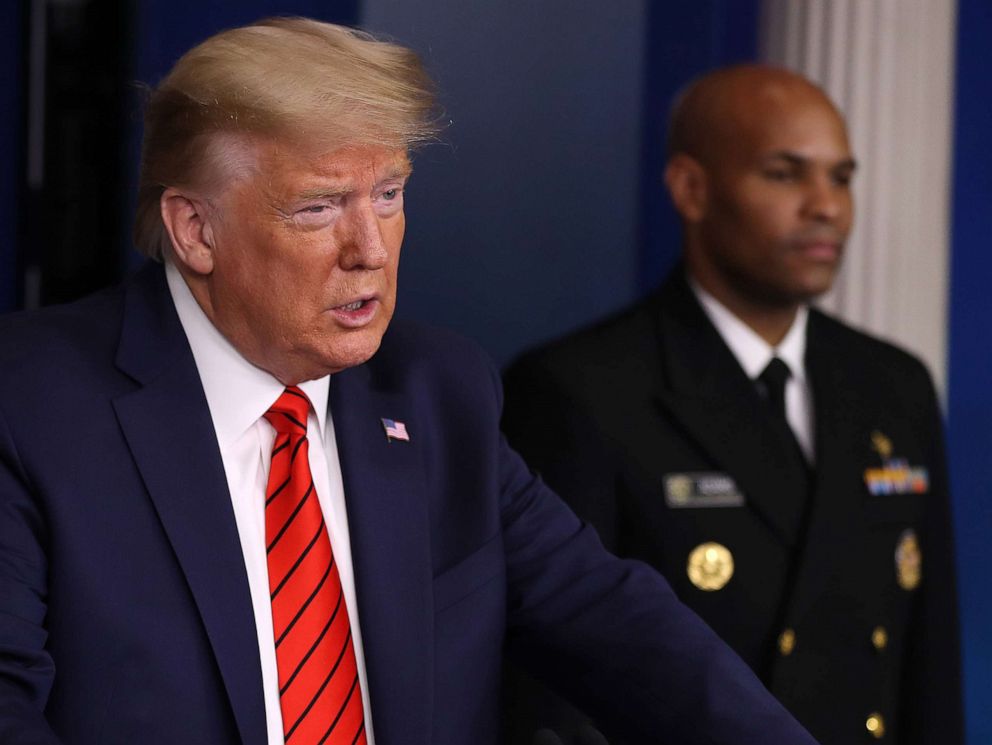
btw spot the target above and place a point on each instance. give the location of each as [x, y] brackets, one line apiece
[288, 173]
[397, 166]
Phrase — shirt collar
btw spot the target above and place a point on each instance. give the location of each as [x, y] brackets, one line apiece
[238, 393]
[752, 352]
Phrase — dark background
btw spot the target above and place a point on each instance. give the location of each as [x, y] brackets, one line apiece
[542, 209]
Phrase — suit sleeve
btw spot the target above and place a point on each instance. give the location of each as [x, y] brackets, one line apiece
[611, 635]
[26, 669]
[931, 696]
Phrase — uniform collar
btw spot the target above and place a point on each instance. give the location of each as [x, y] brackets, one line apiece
[751, 351]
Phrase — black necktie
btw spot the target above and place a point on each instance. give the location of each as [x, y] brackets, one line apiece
[773, 378]
[772, 384]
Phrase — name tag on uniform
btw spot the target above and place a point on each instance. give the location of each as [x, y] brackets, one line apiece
[710, 489]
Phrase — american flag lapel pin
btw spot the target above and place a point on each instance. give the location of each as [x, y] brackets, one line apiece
[395, 430]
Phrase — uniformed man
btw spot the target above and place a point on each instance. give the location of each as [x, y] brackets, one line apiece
[785, 472]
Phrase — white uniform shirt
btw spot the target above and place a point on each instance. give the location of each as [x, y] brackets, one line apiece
[238, 394]
[754, 353]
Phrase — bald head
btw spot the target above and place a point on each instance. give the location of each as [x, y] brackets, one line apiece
[759, 169]
[714, 108]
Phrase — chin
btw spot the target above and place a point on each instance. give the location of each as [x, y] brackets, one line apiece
[353, 352]
[815, 289]
[814, 283]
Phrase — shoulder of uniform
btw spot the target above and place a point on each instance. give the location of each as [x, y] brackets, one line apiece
[860, 347]
[601, 344]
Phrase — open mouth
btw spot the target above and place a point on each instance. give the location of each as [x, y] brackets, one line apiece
[357, 313]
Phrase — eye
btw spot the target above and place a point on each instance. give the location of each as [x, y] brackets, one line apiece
[315, 215]
[843, 178]
[389, 201]
[780, 174]
[391, 194]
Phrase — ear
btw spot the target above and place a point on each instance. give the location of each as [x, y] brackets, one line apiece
[687, 184]
[187, 222]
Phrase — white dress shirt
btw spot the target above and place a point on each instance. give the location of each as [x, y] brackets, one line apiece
[238, 394]
[754, 353]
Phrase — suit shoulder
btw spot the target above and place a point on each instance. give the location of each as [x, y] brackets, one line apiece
[61, 335]
[412, 342]
[414, 353]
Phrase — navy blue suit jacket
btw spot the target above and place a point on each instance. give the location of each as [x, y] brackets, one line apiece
[125, 614]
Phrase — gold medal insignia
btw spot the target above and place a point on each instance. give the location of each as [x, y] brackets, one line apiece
[710, 566]
[895, 475]
[909, 560]
[881, 445]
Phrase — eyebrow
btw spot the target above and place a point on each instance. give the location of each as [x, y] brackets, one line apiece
[396, 171]
[798, 160]
[402, 169]
[323, 192]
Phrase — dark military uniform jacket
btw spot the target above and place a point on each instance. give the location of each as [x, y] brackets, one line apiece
[836, 586]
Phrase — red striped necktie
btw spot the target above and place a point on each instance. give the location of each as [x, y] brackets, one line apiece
[319, 693]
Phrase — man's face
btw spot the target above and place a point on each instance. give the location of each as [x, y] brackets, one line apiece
[778, 201]
[305, 256]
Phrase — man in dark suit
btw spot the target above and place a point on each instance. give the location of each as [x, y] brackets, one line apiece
[235, 508]
[784, 472]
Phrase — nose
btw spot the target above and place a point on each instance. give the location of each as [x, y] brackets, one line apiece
[826, 200]
[362, 244]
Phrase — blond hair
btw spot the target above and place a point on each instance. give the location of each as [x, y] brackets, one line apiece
[315, 84]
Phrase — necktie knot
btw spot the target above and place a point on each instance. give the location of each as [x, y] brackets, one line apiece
[773, 378]
[288, 415]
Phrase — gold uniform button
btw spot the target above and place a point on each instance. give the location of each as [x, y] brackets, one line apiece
[875, 724]
[880, 638]
[710, 566]
[787, 642]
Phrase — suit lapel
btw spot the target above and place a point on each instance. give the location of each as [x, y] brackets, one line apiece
[390, 544]
[167, 426]
[708, 394]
